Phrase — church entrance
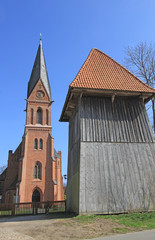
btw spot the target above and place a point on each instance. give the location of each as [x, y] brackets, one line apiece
[36, 196]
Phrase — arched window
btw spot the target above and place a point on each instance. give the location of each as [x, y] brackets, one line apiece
[37, 170]
[39, 116]
[41, 144]
[46, 116]
[31, 115]
[35, 143]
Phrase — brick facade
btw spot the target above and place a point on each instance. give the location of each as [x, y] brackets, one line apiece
[35, 165]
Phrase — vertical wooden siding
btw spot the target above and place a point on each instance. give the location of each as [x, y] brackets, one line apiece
[72, 202]
[117, 156]
[117, 177]
[124, 120]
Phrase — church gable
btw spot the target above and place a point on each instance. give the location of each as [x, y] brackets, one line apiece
[39, 92]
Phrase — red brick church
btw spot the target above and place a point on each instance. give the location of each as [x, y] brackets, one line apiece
[34, 173]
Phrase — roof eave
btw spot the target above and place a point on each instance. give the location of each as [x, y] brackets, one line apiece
[145, 96]
[64, 107]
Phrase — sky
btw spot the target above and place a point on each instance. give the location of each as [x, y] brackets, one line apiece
[70, 29]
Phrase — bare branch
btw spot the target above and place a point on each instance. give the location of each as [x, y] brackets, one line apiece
[140, 60]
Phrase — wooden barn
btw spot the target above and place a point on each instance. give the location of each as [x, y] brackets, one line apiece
[111, 154]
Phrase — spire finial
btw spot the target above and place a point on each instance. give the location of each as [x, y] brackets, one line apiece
[40, 38]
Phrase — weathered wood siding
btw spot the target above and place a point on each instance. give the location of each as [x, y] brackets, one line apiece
[117, 177]
[72, 203]
[111, 157]
[124, 120]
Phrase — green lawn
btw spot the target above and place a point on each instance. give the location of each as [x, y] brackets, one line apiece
[5, 213]
[136, 220]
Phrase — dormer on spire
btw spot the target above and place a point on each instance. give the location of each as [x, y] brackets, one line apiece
[39, 71]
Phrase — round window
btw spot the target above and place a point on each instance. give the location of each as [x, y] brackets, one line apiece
[40, 94]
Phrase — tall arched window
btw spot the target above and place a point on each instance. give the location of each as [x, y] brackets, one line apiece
[37, 170]
[35, 143]
[31, 115]
[46, 116]
[39, 116]
[41, 144]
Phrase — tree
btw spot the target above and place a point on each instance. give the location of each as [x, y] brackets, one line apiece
[141, 61]
[2, 168]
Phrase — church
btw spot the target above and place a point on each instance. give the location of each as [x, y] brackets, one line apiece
[34, 172]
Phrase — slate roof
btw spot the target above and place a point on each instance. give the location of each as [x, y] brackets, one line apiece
[102, 72]
[56, 154]
[39, 71]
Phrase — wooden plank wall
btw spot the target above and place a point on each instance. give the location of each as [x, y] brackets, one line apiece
[72, 203]
[124, 120]
[117, 156]
[117, 177]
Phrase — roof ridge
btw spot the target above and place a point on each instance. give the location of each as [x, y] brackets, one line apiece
[124, 68]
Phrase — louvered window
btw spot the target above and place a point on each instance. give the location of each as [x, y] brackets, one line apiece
[31, 115]
[46, 116]
[39, 116]
[41, 144]
[35, 143]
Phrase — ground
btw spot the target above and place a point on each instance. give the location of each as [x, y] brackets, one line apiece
[58, 227]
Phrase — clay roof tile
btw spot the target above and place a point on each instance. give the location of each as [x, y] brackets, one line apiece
[102, 72]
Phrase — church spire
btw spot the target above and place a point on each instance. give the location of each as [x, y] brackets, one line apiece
[39, 71]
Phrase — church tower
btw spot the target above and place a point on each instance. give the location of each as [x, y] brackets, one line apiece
[34, 173]
[39, 175]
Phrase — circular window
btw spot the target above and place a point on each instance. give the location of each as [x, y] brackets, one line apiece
[40, 94]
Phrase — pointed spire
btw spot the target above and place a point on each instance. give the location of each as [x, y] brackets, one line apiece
[39, 71]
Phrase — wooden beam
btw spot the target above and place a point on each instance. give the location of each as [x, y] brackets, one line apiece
[113, 97]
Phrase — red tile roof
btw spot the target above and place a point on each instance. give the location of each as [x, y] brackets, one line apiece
[102, 72]
[102, 75]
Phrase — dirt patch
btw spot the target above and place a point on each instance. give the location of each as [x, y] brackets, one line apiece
[47, 228]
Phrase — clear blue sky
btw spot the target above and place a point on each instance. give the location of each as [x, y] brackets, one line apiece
[70, 29]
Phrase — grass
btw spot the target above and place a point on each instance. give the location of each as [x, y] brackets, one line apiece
[135, 220]
[4, 213]
[132, 220]
[120, 230]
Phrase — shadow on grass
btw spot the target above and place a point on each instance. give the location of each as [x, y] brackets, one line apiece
[38, 217]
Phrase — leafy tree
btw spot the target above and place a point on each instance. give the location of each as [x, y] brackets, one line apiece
[141, 61]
